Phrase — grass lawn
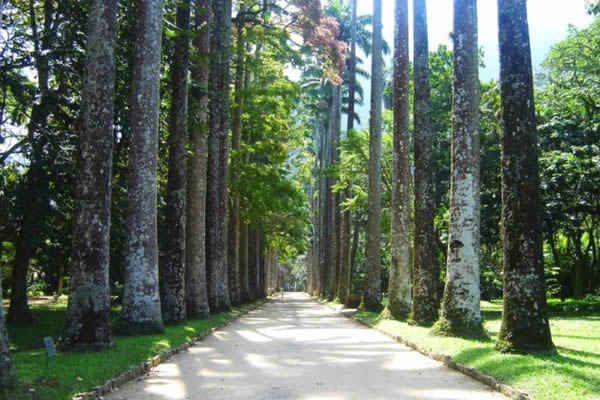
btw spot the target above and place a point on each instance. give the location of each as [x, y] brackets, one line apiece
[71, 373]
[572, 374]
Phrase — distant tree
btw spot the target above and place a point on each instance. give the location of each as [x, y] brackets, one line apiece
[567, 109]
[141, 301]
[7, 370]
[172, 273]
[460, 313]
[372, 294]
[88, 319]
[195, 267]
[425, 269]
[399, 292]
[525, 325]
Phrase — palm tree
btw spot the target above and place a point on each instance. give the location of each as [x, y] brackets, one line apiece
[88, 321]
[399, 284]
[425, 269]
[372, 294]
[524, 319]
[460, 307]
[141, 300]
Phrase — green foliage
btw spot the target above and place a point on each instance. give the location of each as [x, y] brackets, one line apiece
[569, 130]
[71, 373]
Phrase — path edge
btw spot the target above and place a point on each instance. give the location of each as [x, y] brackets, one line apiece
[446, 360]
[137, 371]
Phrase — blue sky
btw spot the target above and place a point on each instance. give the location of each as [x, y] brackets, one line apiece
[548, 24]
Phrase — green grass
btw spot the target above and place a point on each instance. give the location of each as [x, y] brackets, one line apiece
[71, 373]
[572, 374]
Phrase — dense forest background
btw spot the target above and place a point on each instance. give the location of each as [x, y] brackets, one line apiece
[275, 161]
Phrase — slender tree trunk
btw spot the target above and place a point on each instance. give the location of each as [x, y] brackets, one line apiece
[61, 279]
[460, 307]
[88, 320]
[344, 288]
[141, 301]
[399, 291]
[195, 266]
[328, 250]
[35, 201]
[252, 251]
[580, 264]
[594, 260]
[244, 272]
[261, 266]
[172, 277]
[7, 370]
[425, 269]
[224, 201]
[235, 273]
[336, 115]
[324, 251]
[353, 252]
[372, 294]
[524, 319]
[218, 152]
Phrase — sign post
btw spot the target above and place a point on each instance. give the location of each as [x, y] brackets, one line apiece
[50, 349]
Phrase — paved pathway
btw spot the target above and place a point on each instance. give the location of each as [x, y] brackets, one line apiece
[295, 348]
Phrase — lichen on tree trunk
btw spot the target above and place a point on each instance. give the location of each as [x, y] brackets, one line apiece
[525, 327]
[425, 269]
[88, 319]
[217, 211]
[372, 294]
[335, 122]
[460, 307]
[141, 301]
[195, 269]
[399, 291]
[172, 273]
[234, 268]
[345, 253]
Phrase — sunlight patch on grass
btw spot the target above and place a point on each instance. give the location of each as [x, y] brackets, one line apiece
[71, 373]
[572, 374]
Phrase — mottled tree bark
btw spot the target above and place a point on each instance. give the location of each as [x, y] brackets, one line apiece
[195, 266]
[316, 208]
[235, 272]
[460, 307]
[399, 291]
[372, 295]
[141, 301]
[217, 208]
[346, 223]
[7, 370]
[224, 146]
[425, 269]
[336, 120]
[172, 273]
[525, 326]
[324, 210]
[88, 320]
